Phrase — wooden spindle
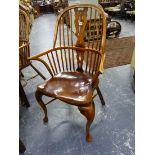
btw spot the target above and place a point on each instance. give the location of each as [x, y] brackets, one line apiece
[64, 43]
[51, 64]
[60, 32]
[87, 57]
[94, 30]
[69, 56]
[90, 27]
[90, 62]
[54, 63]
[63, 30]
[56, 52]
[71, 29]
[24, 55]
[98, 31]
[101, 31]
[93, 69]
[97, 61]
[62, 60]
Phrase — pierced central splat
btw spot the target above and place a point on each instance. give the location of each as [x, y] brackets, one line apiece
[80, 23]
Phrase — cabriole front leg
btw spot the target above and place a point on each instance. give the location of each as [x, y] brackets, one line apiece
[42, 105]
[89, 113]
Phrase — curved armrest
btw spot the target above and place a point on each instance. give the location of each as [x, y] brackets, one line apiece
[52, 63]
[38, 58]
[60, 48]
[41, 54]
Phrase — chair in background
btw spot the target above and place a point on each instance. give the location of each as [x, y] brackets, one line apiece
[59, 5]
[28, 9]
[75, 63]
[113, 29]
[24, 49]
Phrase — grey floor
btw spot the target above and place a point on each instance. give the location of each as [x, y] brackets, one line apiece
[113, 127]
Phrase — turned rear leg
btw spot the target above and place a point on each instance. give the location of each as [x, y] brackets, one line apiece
[100, 96]
[42, 105]
[89, 113]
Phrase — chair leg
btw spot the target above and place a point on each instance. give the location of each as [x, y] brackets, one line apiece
[38, 71]
[23, 95]
[100, 95]
[22, 147]
[89, 113]
[21, 74]
[38, 96]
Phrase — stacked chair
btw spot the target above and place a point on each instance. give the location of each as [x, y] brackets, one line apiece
[24, 48]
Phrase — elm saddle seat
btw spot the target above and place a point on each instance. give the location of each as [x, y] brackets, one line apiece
[72, 87]
[73, 64]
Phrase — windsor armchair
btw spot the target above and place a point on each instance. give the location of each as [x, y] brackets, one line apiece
[24, 49]
[74, 63]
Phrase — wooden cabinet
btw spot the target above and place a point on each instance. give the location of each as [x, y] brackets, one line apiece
[108, 3]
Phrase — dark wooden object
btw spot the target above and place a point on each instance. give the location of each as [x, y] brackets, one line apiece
[24, 49]
[46, 8]
[121, 9]
[22, 147]
[74, 65]
[36, 11]
[113, 29]
[22, 95]
[108, 3]
[59, 5]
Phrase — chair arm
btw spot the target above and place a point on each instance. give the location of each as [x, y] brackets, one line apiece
[51, 64]
[41, 54]
[59, 48]
[37, 58]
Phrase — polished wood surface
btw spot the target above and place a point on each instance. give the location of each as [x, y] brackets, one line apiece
[76, 83]
[74, 65]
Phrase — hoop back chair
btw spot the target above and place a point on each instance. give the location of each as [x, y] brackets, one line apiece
[24, 48]
[75, 64]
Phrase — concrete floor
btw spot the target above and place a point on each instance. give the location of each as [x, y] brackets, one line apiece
[113, 126]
